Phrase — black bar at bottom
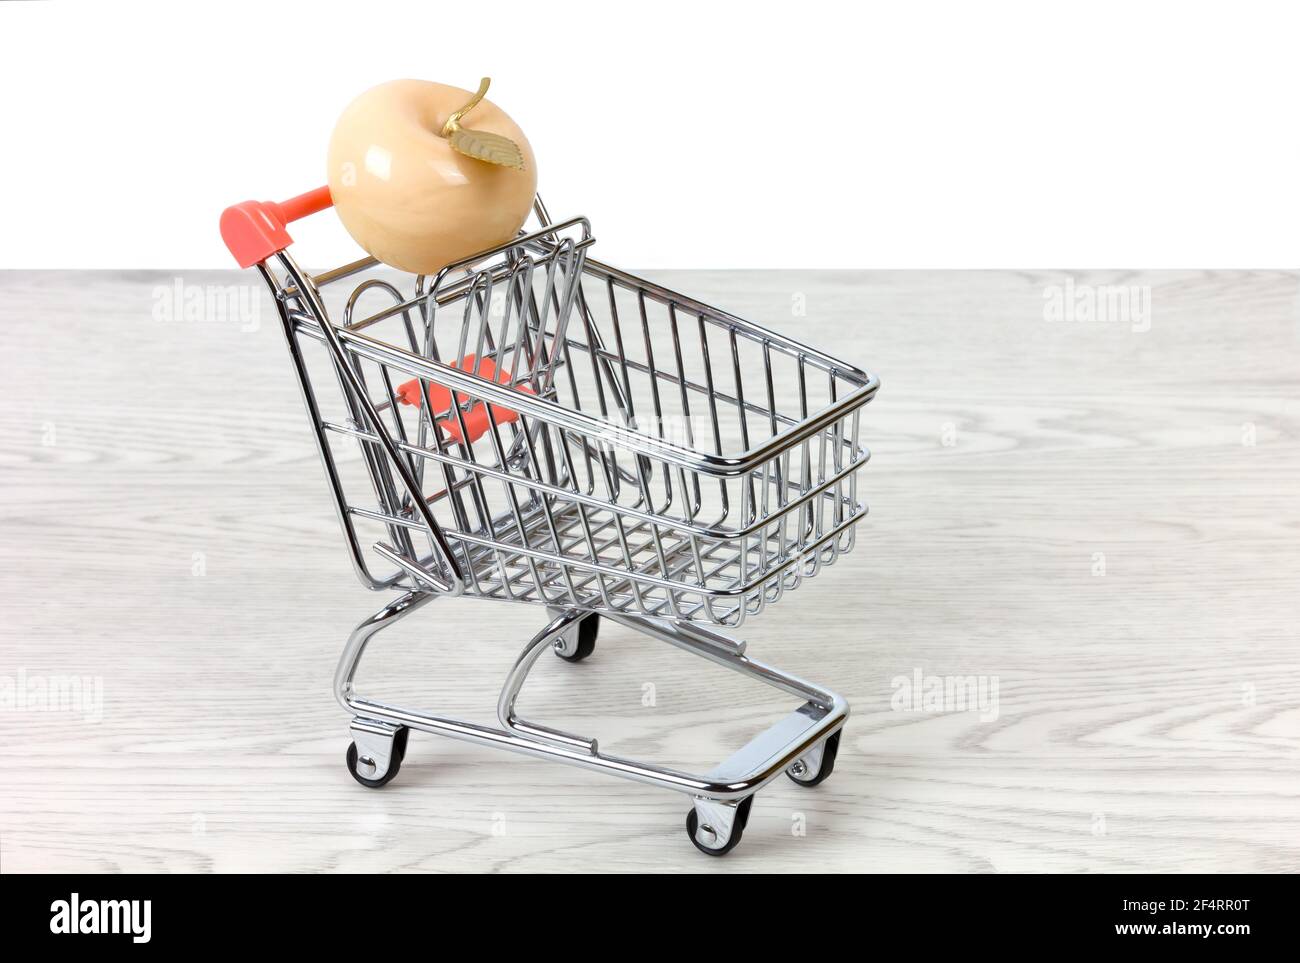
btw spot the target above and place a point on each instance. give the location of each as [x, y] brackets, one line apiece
[342, 914]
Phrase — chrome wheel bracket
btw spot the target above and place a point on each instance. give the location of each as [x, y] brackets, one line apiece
[715, 820]
[808, 766]
[375, 746]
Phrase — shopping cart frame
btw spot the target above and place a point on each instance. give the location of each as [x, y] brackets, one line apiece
[803, 744]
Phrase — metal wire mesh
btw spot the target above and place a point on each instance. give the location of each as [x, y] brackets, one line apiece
[559, 432]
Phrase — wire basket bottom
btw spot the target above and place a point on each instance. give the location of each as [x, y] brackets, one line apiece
[646, 569]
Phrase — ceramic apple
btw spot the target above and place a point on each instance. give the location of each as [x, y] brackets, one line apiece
[411, 198]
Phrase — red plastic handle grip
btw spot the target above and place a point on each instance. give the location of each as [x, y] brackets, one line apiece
[313, 202]
[254, 230]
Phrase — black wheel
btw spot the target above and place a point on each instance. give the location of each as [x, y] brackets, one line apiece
[737, 828]
[588, 629]
[394, 765]
[829, 752]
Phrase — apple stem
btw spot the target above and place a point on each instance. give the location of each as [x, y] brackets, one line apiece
[453, 121]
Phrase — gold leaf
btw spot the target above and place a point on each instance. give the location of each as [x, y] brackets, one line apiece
[486, 146]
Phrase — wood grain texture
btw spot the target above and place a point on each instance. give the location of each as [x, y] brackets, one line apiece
[1149, 718]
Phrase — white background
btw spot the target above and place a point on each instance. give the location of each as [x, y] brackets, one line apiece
[697, 134]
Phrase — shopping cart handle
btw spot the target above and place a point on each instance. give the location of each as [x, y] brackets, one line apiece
[254, 230]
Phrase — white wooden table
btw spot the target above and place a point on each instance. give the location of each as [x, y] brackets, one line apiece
[166, 533]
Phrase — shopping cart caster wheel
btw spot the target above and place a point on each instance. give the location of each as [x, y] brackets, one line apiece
[394, 762]
[576, 644]
[739, 821]
[813, 768]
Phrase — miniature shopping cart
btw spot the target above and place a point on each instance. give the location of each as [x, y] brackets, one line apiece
[531, 425]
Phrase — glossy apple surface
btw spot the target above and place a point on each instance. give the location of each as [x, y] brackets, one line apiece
[405, 195]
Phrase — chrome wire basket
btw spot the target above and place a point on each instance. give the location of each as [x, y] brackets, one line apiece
[532, 425]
